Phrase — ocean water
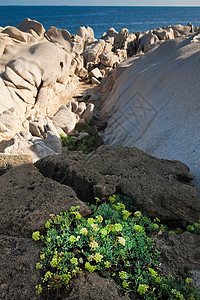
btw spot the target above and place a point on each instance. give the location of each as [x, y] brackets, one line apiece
[101, 18]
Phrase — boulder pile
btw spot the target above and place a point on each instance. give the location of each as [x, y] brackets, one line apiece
[41, 71]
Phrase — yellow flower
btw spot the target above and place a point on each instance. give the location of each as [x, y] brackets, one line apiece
[94, 245]
[84, 231]
[98, 257]
[121, 240]
[95, 227]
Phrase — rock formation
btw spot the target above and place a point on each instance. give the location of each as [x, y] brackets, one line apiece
[41, 71]
[159, 187]
[154, 102]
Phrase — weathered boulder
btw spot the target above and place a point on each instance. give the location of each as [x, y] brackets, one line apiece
[24, 143]
[64, 119]
[94, 80]
[92, 51]
[146, 40]
[92, 286]
[159, 187]
[164, 34]
[120, 38]
[40, 126]
[95, 73]
[182, 29]
[27, 25]
[15, 33]
[10, 120]
[78, 44]
[130, 44]
[6, 101]
[60, 36]
[88, 114]
[2, 46]
[110, 36]
[86, 33]
[81, 108]
[108, 59]
[27, 200]
[32, 81]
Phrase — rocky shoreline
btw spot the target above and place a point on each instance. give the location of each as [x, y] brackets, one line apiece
[53, 83]
[50, 81]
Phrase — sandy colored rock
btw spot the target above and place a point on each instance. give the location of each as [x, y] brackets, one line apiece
[6, 101]
[64, 119]
[95, 81]
[159, 187]
[88, 114]
[24, 143]
[10, 119]
[27, 25]
[61, 36]
[95, 73]
[108, 59]
[147, 105]
[81, 108]
[92, 52]
[164, 34]
[85, 32]
[147, 40]
[182, 29]
[15, 33]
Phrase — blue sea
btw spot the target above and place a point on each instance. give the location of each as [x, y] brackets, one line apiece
[101, 18]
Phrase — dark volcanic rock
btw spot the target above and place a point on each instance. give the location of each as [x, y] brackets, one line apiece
[27, 199]
[92, 286]
[18, 276]
[159, 187]
[180, 253]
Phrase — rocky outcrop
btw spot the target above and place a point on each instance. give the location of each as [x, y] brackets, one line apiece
[27, 200]
[9, 161]
[18, 276]
[40, 70]
[154, 103]
[159, 187]
[179, 254]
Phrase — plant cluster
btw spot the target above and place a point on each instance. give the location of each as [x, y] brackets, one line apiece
[192, 228]
[112, 241]
[87, 144]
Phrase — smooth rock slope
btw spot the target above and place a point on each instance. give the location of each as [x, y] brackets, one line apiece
[154, 104]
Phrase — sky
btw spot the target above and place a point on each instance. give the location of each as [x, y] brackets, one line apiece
[104, 2]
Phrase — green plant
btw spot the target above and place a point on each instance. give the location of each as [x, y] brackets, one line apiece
[87, 144]
[112, 241]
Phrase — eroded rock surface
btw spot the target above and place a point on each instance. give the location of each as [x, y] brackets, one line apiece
[92, 286]
[159, 187]
[179, 254]
[26, 201]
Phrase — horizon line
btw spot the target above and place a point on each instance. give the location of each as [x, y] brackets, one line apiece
[102, 5]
